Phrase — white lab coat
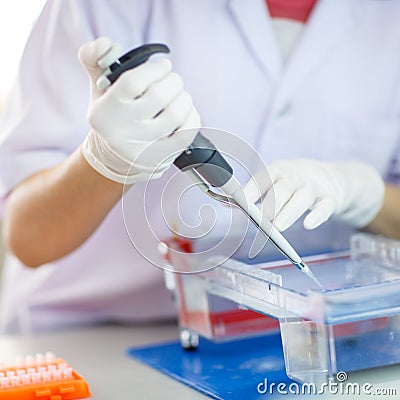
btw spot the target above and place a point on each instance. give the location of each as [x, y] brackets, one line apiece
[338, 98]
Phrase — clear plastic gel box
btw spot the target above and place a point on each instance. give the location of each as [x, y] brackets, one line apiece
[352, 324]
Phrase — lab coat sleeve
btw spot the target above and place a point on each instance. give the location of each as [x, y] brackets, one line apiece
[45, 115]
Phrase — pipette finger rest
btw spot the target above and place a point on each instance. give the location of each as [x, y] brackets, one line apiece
[130, 60]
[43, 377]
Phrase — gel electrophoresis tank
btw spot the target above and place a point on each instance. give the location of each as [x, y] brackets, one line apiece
[352, 324]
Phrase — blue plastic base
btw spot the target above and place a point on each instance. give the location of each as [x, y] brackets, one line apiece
[230, 370]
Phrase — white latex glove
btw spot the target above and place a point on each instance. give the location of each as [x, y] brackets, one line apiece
[135, 121]
[352, 191]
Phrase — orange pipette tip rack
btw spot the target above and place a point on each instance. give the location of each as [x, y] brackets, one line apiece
[43, 377]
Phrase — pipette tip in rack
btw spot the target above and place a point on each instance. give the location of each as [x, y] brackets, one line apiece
[302, 266]
[43, 376]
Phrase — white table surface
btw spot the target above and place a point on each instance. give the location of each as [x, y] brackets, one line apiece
[99, 354]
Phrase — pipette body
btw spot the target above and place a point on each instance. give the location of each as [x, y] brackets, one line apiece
[205, 163]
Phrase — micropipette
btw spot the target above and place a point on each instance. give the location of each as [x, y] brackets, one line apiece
[205, 164]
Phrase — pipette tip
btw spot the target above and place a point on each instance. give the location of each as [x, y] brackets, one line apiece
[302, 266]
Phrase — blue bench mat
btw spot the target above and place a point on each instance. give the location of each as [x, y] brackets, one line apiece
[229, 370]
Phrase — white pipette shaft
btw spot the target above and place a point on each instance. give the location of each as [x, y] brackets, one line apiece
[235, 190]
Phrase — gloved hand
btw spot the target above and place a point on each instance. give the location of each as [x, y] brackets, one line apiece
[352, 191]
[135, 122]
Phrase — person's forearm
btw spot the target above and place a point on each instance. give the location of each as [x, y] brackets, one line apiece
[387, 222]
[53, 212]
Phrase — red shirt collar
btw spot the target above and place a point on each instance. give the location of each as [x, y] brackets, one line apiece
[298, 10]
